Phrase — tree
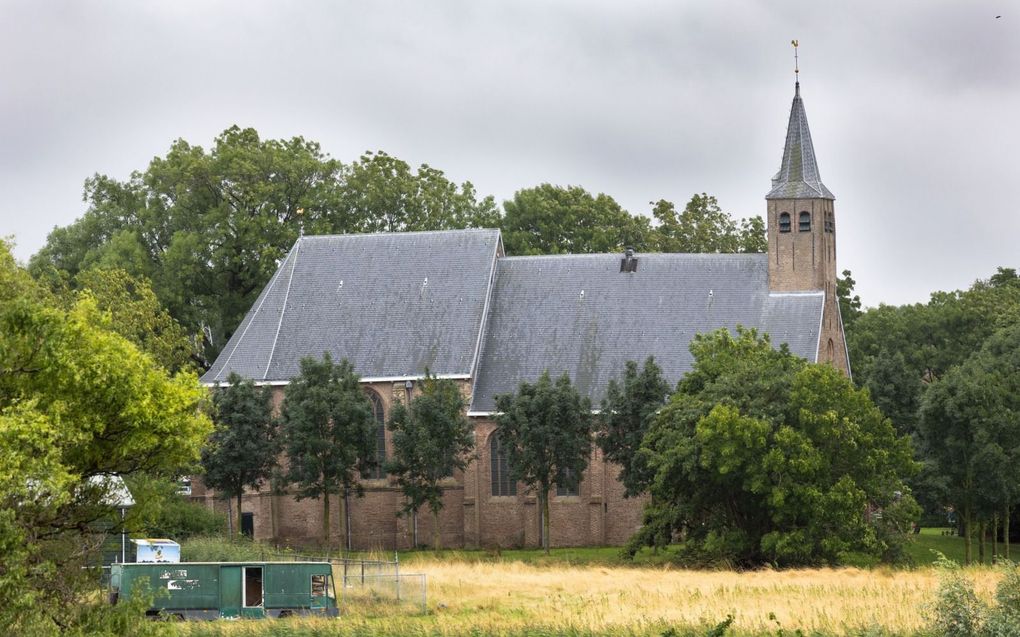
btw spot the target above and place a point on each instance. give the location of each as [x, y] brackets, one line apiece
[761, 457]
[243, 449]
[78, 403]
[209, 228]
[546, 430]
[551, 219]
[137, 315]
[627, 412]
[329, 433]
[970, 424]
[380, 193]
[849, 303]
[431, 439]
[702, 226]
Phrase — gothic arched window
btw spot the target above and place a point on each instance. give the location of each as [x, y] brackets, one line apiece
[805, 221]
[499, 475]
[784, 222]
[377, 472]
[831, 351]
[570, 486]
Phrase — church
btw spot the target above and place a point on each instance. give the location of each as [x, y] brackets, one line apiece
[454, 303]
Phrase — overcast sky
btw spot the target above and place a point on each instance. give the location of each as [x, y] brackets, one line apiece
[914, 106]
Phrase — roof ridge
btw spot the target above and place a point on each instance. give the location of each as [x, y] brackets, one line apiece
[700, 255]
[399, 232]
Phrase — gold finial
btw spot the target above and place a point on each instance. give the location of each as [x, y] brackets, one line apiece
[796, 62]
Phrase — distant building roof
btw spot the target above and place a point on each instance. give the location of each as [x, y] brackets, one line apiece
[393, 304]
[798, 176]
[580, 315]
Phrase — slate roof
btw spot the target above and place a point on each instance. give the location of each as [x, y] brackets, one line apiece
[798, 176]
[393, 304]
[579, 314]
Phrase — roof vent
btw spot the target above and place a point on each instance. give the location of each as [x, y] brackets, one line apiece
[629, 262]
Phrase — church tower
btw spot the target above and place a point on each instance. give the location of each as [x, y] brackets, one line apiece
[802, 233]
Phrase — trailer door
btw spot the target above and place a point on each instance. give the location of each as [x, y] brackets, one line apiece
[230, 591]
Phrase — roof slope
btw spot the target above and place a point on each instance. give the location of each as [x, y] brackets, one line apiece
[580, 315]
[393, 304]
[798, 177]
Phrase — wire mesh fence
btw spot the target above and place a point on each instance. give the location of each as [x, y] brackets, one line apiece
[370, 594]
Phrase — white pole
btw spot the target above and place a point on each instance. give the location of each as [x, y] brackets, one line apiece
[123, 538]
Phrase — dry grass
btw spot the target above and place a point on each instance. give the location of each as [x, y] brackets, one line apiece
[508, 598]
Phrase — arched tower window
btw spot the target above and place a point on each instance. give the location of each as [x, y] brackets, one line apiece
[377, 472]
[784, 222]
[830, 351]
[805, 222]
[500, 471]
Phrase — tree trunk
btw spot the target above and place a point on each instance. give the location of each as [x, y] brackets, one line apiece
[343, 533]
[230, 519]
[995, 536]
[966, 535]
[981, 541]
[437, 536]
[1005, 532]
[240, 494]
[325, 520]
[545, 521]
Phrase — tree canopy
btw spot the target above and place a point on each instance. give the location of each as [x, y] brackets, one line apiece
[627, 412]
[208, 228]
[78, 403]
[702, 226]
[432, 438]
[545, 428]
[761, 457]
[970, 428]
[243, 449]
[328, 432]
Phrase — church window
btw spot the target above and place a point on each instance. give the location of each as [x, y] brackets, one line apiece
[570, 485]
[784, 222]
[377, 472]
[830, 222]
[502, 484]
[805, 221]
[831, 351]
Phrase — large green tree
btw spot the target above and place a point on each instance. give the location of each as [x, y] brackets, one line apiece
[551, 219]
[761, 457]
[78, 403]
[627, 412]
[329, 434]
[209, 227]
[243, 449]
[546, 430]
[431, 440]
[703, 226]
[970, 426]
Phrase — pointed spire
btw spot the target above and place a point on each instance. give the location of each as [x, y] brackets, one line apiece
[798, 177]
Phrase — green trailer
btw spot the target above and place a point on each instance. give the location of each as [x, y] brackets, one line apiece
[210, 590]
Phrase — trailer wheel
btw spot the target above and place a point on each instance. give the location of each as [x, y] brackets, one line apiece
[285, 613]
[113, 597]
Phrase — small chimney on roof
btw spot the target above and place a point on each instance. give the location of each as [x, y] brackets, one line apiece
[629, 262]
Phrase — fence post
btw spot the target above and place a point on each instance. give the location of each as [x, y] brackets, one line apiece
[396, 562]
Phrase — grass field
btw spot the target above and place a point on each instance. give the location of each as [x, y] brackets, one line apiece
[593, 592]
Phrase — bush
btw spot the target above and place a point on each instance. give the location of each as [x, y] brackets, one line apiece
[180, 519]
[217, 548]
[957, 611]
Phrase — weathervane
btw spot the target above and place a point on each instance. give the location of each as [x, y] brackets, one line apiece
[796, 62]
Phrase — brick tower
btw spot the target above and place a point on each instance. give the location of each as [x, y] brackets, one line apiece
[802, 233]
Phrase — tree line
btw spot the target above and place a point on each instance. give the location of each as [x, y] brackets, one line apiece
[946, 373]
[206, 229]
